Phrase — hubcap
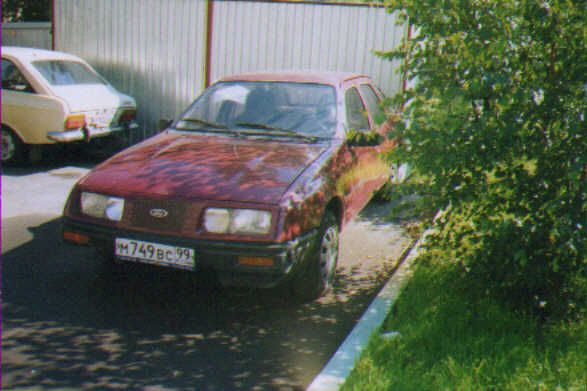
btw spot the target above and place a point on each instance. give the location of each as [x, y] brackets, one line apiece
[8, 146]
[328, 255]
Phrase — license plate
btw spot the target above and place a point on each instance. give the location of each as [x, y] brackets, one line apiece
[155, 253]
[100, 118]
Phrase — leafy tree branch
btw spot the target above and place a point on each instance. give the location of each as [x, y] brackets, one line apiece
[496, 118]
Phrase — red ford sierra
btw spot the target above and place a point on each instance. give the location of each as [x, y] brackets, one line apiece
[254, 181]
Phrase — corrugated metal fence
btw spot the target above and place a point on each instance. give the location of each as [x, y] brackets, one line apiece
[153, 50]
[164, 52]
[32, 34]
[249, 36]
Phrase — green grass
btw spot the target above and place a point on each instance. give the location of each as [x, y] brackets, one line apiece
[450, 341]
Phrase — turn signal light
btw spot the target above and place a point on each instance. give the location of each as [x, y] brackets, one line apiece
[75, 237]
[256, 261]
[127, 116]
[75, 121]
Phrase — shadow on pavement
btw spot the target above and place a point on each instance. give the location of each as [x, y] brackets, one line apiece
[69, 323]
[58, 156]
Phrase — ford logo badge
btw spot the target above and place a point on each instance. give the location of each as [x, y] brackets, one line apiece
[158, 213]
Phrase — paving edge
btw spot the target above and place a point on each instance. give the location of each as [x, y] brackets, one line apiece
[340, 365]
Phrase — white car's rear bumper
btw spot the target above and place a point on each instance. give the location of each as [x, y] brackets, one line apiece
[88, 133]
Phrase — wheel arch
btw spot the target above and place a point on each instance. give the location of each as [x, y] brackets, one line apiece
[15, 132]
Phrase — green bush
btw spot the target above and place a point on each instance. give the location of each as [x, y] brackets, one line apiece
[363, 139]
[497, 120]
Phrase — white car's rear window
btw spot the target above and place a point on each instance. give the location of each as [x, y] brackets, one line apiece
[63, 73]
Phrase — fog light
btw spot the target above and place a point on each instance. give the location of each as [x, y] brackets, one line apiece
[256, 261]
[75, 237]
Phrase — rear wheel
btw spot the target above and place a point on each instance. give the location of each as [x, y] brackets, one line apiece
[13, 149]
[318, 276]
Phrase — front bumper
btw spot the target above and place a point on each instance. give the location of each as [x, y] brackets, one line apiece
[89, 133]
[220, 256]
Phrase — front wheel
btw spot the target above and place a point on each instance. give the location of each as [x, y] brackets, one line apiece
[318, 276]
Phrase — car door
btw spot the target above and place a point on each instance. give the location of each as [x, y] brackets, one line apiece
[367, 171]
[25, 111]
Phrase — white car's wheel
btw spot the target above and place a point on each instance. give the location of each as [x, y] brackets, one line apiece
[12, 147]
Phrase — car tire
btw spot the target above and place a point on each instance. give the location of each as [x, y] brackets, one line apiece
[13, 149]
[318, 276]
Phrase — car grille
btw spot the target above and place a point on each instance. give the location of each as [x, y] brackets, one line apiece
[158, 215]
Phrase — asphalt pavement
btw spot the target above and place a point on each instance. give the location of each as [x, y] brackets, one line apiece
[70, 323]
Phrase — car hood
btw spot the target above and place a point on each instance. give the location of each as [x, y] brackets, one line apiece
[204, 167]
[92, 97]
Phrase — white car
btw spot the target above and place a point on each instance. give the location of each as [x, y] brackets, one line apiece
[51, 97]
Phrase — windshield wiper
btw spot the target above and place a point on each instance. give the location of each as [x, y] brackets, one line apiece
[275, 129]
[209, 127]
[209, 124]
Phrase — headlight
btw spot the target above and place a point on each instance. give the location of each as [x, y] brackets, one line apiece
[217, 220]
[249, 221]
[102, 206]
[237, 221]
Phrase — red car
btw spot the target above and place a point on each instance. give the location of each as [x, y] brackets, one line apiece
[254, 181]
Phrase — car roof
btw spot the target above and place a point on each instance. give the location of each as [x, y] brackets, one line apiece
[33, 54]
[321, 77]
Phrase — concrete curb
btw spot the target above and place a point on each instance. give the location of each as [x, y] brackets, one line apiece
[334, 374]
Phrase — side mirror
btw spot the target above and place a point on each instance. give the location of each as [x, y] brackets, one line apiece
[164, 123]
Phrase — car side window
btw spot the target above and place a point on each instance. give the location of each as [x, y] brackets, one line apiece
[355, 110]
[373, 103]
[13, 79]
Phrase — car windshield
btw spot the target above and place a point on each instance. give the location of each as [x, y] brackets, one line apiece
[63, 73]
[278, 108]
